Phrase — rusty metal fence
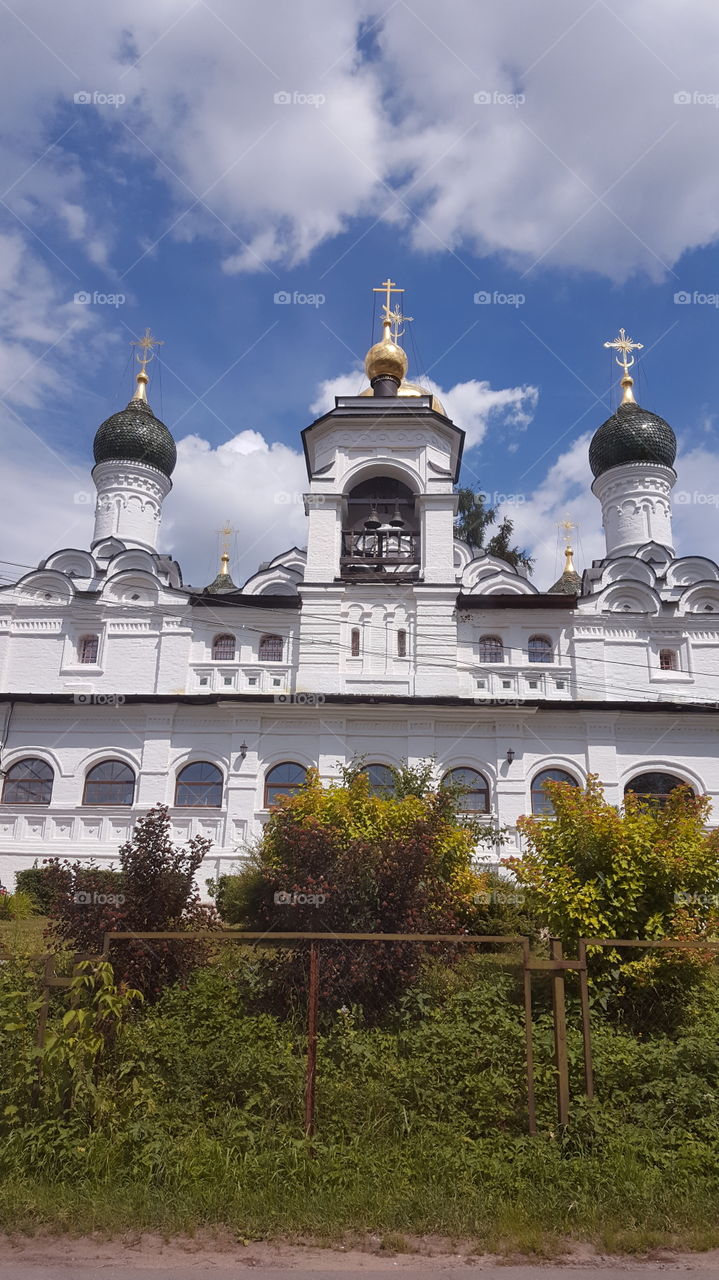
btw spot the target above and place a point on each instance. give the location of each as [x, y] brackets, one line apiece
[554, 965]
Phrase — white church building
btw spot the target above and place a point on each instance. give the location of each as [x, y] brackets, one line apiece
[385, 637]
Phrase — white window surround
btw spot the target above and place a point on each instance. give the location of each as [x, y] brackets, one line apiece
[680, 645]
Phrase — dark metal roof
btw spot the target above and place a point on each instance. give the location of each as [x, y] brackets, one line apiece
[134, 434]
[508, 600]
[641, 706]
[236, 598]
[632, 434]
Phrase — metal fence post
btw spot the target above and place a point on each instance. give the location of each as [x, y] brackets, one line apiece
[312, 1005]
[560, 1034]
[529, 1049]
[586, 1023]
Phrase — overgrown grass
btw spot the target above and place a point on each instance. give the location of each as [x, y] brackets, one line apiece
[195, 1120]
[23, 937]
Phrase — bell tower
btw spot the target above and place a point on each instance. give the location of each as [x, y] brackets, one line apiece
[381, 504]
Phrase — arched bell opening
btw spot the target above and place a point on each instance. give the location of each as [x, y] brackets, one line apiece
[380, 530]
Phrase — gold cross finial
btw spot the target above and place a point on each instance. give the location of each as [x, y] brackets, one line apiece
[567, 526]
[387, 287]
[225, 533]
[392, 318]
[145, 355]
[624, 358]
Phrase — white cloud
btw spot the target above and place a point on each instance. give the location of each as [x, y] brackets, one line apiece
[36, 325]
[471, 405]
[598, 167]
[563, 494]
[256, 485]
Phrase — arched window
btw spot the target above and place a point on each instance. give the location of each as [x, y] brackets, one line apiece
[381, 779]
[112, 782]
[223, 648]
[539, 649]
[668, 660]
[199, 786]
[401, 643]
[491, 649]
[283, 780]
[87, 648]
[475, 797]
[271, 648]
[655, 787]
[355, 642]
[541, 800]
[28, 781]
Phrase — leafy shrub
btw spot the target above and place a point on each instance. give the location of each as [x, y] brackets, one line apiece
[41, 883]
[157, 893]
[238, 897]
[342, 860]
[16, 906]
[640, 872]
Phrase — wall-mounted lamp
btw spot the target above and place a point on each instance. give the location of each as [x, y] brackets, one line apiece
[510, 754]
[243, 750]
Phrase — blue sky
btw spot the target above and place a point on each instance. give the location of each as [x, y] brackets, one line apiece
[563, 155]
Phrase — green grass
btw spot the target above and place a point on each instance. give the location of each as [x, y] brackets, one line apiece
[193, 1121]
[389, 1190]
[23, 937]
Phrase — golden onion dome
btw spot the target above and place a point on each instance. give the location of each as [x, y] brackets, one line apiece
[386, 360]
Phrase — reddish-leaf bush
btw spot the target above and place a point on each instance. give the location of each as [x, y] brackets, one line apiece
[155, 890]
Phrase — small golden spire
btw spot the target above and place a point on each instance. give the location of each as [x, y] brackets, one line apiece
[145, 355]
[567, 526]
[225, 533]
[624, 358]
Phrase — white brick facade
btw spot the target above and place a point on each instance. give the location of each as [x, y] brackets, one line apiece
[382, 651]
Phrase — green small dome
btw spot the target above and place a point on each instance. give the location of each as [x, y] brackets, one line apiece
[632, 434]
[136, 435]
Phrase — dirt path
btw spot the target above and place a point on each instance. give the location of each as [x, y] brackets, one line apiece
[151, 1258]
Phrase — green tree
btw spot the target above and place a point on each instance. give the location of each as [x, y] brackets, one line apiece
[642, 871]
[339, 859]
[472, 525]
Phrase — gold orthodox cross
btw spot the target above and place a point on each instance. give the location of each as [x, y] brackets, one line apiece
[624, 348]
[147, 343]
[392, 319]
[567, 526]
